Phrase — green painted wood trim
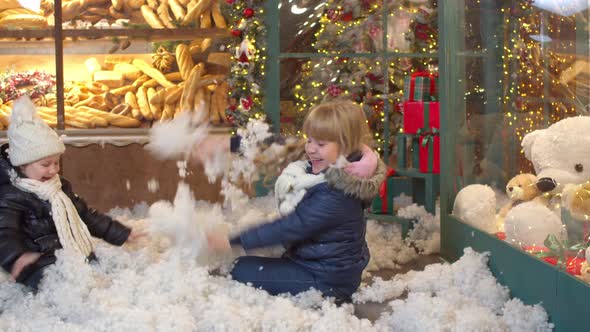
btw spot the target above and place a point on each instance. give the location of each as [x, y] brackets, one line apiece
[533, 281]
[448, 23]
[272, 102]
[405, 224]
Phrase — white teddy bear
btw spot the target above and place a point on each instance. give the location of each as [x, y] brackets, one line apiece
[561, 157]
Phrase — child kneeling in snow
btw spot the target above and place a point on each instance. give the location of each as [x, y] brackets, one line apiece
[322, 223]
[39, 212]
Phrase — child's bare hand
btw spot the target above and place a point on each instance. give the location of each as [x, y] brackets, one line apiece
[135, 235]
[218, 242]
[25, 259]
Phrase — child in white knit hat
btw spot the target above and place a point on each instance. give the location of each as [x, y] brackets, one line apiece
[39, 212]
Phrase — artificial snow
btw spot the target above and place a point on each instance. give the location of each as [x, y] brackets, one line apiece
[152, 285]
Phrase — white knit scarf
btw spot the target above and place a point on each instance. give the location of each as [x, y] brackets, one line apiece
[292, 185]
[72, 231]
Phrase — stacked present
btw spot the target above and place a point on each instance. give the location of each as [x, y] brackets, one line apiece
[390, 188]
[422, 118]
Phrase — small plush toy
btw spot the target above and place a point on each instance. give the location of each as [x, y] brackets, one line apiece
[577, 200]
[521, 188]
[560, 155]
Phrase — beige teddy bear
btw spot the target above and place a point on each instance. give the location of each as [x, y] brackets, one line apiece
[521, 188]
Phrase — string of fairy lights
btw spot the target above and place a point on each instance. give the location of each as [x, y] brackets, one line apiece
[535, 97]
[248, 46]
[361, 78]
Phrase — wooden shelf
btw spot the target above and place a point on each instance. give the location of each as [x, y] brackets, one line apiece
[132, 33]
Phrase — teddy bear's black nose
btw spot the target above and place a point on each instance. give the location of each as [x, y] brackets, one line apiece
[546, 184]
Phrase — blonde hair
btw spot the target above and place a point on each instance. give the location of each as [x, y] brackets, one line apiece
[343, 122]
[339, 121]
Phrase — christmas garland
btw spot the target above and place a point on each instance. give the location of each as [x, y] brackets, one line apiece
[247, 72]
[34, 83]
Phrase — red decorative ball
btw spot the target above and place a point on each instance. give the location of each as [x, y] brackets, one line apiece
[248, 12]
[230, 2]
[236, 33]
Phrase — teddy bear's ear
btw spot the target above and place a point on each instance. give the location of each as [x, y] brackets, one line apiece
[528, 140]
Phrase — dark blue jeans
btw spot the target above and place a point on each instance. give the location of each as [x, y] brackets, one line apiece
[277, 276]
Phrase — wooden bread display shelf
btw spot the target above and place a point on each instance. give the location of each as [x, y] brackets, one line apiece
[137, 33]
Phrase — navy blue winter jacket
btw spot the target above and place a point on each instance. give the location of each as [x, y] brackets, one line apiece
[326, 232]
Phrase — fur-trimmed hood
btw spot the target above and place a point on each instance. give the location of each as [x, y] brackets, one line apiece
[363, 188]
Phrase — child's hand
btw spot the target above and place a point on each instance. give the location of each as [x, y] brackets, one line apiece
[218, 242]
[135, 235]
[25, 259]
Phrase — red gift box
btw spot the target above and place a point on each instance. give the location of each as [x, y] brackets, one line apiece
[429, 153]
[573, 265]
[419, 114]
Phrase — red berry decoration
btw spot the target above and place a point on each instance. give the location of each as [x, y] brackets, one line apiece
[248, 12]
[236, 33]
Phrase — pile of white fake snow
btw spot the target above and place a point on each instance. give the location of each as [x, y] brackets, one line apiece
[154, 286]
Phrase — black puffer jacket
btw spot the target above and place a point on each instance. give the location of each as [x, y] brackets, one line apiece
[26, 225]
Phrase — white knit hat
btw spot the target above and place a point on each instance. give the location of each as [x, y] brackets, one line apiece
[29, 137]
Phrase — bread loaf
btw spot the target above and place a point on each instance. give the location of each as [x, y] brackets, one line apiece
[112, 79]
[218, 18]
[152, 72]
[206, 21]
[151, 18]
[14, 11]
[23, 21]
[196, 11]
[129, 71]
[113, 119]
[117, 4]
[144, 105]
[184, 60]
[164, 15]
[177, 9]
[155, 108]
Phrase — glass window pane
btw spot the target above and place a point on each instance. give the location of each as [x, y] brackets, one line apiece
[310, 26]
[28, 68]
[522, 67]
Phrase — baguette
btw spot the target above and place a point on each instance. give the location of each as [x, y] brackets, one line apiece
[144, 105]
[151, 18]
[134, 4]
[131, 100]
[117, 4]
[153, 4]
[164, 15]
[70, 9]
[113, 119]
[123, 90]
[189, 89]
[177, 10]
[23, 21]
[206, 21]
[174, 95]
[184, 60]
[155, 108]
[196, 11]
[129, 71]
[152, 72]
[168, 112]
[139, 82]
[218, 18]
[14, 11]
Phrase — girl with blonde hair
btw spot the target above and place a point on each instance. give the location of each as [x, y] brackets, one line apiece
[321, 200]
